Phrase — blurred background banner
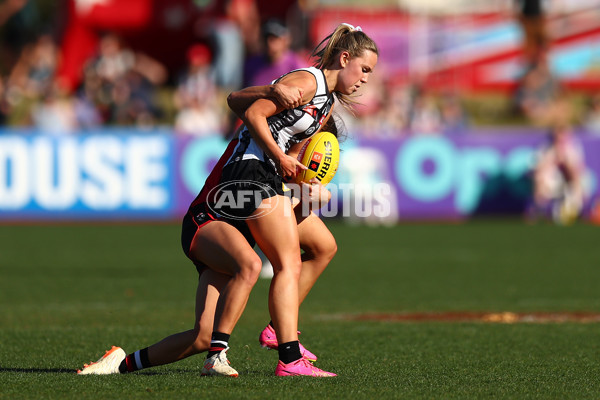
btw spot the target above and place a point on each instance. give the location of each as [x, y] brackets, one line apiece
[117, 109]
[437, 177]
[475, 48]
[127, 175]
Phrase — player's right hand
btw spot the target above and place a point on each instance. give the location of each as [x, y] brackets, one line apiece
[288, 96]
[288, 167]
[315, 194]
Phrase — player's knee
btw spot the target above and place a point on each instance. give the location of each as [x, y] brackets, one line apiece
[325, 249]
[200, 345]
[330, 248]
[250, 270]
[290, 267]
[201, 342]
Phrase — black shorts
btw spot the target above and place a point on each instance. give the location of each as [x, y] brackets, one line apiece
[243, 186]
[196, 218]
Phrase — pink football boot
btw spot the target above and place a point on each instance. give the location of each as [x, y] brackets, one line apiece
[268, 339]
[300, 367]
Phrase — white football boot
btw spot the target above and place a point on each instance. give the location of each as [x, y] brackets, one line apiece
[218, 365]
[108, 364]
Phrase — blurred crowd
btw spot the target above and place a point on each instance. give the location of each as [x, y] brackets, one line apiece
[123, 86]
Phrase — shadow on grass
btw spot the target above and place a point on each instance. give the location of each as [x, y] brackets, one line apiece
[74, 372]
[40, 370]
[143, 373]
[255, 373]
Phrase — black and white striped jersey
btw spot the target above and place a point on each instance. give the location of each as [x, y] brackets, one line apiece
[289, 126]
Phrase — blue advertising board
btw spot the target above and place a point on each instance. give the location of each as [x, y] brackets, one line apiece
[87, 176]
[129, 175]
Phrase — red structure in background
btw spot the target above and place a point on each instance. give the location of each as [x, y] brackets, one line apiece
[450, 52]
[162, 29]
[479, 73]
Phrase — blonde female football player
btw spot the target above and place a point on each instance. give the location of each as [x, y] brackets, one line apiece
[344, 61]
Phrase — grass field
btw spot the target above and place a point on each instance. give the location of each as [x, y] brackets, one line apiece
[69, 292]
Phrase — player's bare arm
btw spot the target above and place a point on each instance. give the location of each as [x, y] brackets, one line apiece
[304, 81]
[283, 95]
[256, 116]
[255, 119]
[295, 148]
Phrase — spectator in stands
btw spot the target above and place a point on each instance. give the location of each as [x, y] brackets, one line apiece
[55, 113]
[114, 60]
[454, 116]
[124, 83]
[536, 92]
[246, 16]
[531, 16]
[87, 114]
[197, 97]
[395, 114]
[277, 58]
[33, 74]
[231, 27]
[425, 116]
[591, 119]
[558, 177]
[376, 117]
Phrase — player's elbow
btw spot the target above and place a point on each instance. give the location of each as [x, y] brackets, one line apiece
[251, 116]
[232, 102]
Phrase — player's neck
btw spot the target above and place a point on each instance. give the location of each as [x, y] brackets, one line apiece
[331, 76]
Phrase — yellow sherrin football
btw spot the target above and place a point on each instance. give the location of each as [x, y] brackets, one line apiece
[321, 155]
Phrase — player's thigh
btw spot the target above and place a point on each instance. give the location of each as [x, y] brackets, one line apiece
[276, 232]
[223, 248]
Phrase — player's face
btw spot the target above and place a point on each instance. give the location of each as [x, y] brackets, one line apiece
[355, 71]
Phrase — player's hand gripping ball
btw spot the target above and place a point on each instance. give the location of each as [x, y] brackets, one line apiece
[321, 155]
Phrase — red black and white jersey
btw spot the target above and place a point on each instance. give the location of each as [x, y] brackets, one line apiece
[215, 176]
[289, 126]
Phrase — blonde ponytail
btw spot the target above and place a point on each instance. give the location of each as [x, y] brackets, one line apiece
[344, 38]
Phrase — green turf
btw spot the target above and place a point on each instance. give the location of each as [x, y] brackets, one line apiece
[69, 292]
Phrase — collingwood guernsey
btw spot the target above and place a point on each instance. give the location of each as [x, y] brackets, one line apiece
[289, 126]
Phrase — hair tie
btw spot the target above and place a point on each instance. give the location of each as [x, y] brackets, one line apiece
[352, 27]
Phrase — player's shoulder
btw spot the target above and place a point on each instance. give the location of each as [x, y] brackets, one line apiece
[304, 77]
